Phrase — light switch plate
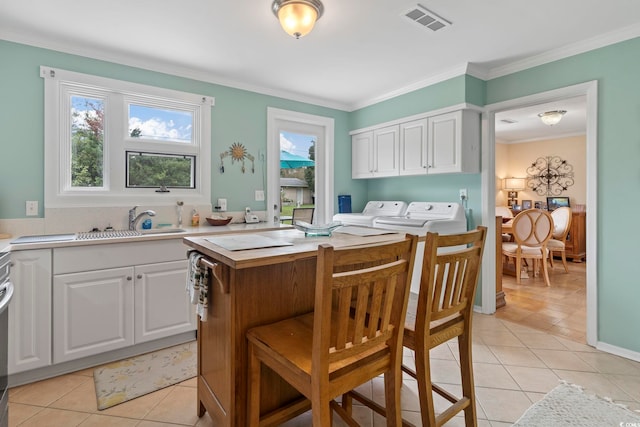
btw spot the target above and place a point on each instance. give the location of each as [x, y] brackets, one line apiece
[32, 208]
[259, 195]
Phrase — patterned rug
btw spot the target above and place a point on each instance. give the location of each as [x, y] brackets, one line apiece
[568, 405]
[130, 378]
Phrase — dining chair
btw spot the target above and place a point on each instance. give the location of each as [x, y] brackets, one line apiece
[442, 310]
[532, 230]
[557, 243]
[302, 214]
[352, 336]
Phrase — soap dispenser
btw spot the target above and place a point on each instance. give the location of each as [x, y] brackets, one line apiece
[195, 218]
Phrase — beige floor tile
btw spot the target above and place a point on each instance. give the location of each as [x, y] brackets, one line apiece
[97, 420]
[517, 356]
[506, 338]
[540, 341]
[81, 398]
[596, 383]
[445, 371]
[43, 393]
[495, 376]
[49, 417]
[559, 359]
[502, 405]
[479, 352]
[145, 423]
[18, 412]
[177, 407]
[611, 364]
[204, 421]
[629, 384]
[539, 380]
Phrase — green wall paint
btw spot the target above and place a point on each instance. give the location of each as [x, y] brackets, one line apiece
[238, 116]
[617, 70]
[241, 116]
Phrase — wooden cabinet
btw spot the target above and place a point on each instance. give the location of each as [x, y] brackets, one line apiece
[30, 311]
[442, 143]
[576, 244]
[374, 153]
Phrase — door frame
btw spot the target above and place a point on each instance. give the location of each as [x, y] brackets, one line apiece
[285, 120]
[590, 90]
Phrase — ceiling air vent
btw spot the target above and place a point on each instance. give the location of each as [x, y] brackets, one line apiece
[426, 19]
[509, 121]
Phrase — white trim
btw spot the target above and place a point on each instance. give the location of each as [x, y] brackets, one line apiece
[542, 138]
[324, 158]
[618, 351]
[590, 89]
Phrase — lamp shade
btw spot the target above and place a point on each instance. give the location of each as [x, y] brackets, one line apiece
[297, 17]
[551, 118]
[513, 184]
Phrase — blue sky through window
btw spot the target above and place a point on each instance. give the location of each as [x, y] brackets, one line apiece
[296, 143]
[161, 124]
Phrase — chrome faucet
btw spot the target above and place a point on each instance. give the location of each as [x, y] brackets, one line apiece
[134, 220]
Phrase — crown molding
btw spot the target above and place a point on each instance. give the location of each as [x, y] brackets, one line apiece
[567, 51]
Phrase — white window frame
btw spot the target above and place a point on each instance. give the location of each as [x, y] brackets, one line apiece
[117, 95]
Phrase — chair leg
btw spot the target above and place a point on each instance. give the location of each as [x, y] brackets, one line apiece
[253, 404]
[551, 259]
[466, 371]
[425, 393]
[321, 412]
[564, 262]
[392, 386]
[518, 268]
[545, 272]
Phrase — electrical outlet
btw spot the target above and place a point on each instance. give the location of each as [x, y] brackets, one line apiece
[222, 204]
[463, 194]
[32, 207]
[259, 195]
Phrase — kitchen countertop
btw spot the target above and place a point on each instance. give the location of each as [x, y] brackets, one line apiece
[205, 229]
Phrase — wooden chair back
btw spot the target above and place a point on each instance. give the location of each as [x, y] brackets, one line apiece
[532, 228]
[302, 214]
[361, 301]
[561, 223]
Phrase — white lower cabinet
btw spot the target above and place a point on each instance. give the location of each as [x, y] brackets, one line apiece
[98, 309]
[93, 312]
[30, 311]
[162, 307]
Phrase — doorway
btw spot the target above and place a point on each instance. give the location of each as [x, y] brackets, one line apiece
[321, 129]
[489, 189]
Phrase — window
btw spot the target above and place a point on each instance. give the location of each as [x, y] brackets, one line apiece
[113, 143]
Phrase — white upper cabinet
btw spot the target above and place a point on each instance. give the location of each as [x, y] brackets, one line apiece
[375, 153]
[443, 143]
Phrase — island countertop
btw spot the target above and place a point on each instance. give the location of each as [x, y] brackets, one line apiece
[299, 246]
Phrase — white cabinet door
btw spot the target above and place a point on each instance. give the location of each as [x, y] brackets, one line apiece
[386, 151]
[162, 306]
[454, 142]
[362, 155]
[30, 311]
[413, 147]
[92, 312]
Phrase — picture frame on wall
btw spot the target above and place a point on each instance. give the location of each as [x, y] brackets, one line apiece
[537, 205]
[526, 204]
[511, 203]
[512, 195]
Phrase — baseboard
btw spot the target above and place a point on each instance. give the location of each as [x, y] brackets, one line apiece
[618, 351]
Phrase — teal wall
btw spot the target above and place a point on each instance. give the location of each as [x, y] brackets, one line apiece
[238, 116]
[617, 70]
[241, 116]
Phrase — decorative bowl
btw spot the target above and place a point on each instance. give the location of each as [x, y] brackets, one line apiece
[219, 220]
[317, 230]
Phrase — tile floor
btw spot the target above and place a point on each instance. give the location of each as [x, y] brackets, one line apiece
[514, 366]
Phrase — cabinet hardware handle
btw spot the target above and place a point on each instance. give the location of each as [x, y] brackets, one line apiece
[213, 266]
[129, 277]
[139, 276]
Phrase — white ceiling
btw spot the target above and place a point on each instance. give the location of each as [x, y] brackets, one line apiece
[361, 51]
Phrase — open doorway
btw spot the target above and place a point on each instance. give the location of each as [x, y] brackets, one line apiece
[490, 192]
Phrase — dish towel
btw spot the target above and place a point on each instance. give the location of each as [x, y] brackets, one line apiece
[198, 284]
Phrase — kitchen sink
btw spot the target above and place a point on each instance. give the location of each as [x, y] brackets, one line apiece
[114, 234]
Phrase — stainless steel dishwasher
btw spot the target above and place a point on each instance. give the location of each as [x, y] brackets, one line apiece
[6, 292]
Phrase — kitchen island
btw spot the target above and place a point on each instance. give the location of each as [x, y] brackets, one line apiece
[254, 287]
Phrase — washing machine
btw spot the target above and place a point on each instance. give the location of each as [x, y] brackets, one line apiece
[372, 210]
[421, 218]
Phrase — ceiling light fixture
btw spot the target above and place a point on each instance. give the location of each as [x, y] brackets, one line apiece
[551, 118]
[297, 17]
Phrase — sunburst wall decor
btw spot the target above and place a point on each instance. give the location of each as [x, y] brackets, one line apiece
[238, 153]
[549, 176]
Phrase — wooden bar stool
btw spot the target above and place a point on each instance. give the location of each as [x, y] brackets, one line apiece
[353, 335]
[442, 310]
